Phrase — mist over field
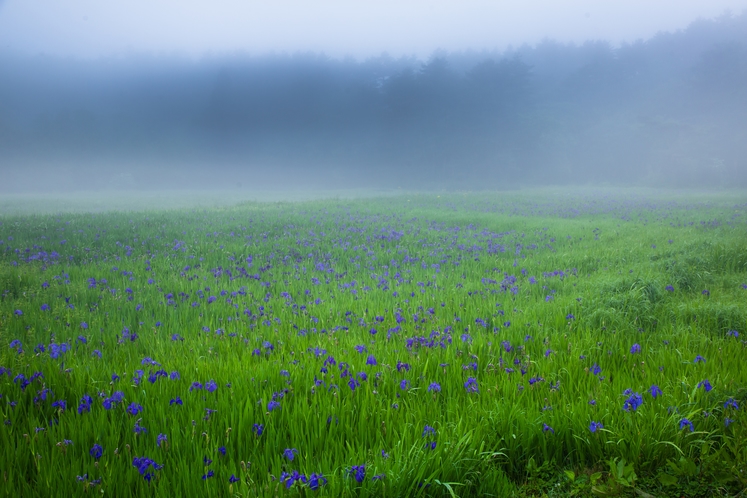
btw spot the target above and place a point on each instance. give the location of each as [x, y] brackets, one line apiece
[394, 248]
[668, 111]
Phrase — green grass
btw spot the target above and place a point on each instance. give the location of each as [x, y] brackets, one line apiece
[548, 282]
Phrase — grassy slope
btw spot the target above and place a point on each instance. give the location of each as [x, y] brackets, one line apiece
[613, 283]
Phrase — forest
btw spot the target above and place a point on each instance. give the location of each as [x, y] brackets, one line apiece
[669, 111]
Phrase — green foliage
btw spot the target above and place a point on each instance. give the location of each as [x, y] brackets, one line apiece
[582, 484]
[590, 291]
[625, 304]
[621, 477]
[715, 316]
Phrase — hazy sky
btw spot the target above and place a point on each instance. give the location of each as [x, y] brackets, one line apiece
[91, 28]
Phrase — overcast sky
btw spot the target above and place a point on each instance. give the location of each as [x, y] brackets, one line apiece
[361, 28]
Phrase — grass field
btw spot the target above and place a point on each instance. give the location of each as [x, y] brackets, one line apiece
[541, 342]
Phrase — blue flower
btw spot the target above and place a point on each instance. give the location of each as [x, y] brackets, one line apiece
[149, 361]
[655, 391]
[699, 359]
[272, 405]
[290, 453]
[316, 480]
[434, 387]
[633, 402]
[96, 451]
[547, 428]
[161, 439]
[134, 408]
[595, 426]
[290, 478]
[358, 472]
[471, 385]
[85, 404]
[258, 429]
[142, 464]
[211, 386]
[686, 423]
[233, 479]
[55, 350]
[472, 365]
[705, 385]
[113, 400]
[635, 348]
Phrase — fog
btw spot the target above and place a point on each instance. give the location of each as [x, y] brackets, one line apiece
[666, 111]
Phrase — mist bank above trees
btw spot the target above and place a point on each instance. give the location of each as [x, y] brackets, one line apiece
[668, 111]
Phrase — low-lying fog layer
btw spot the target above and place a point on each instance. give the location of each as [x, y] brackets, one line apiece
[668, 111]
[145, 200]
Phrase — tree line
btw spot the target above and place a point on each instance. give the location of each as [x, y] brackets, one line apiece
[671, 110]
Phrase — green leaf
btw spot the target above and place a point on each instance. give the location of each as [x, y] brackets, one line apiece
[448, 487]
[667, 479]
[602, 491]
[674, 467]
[688, 467]
[725, 477]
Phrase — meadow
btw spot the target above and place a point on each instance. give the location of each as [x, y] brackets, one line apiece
[541, 342]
